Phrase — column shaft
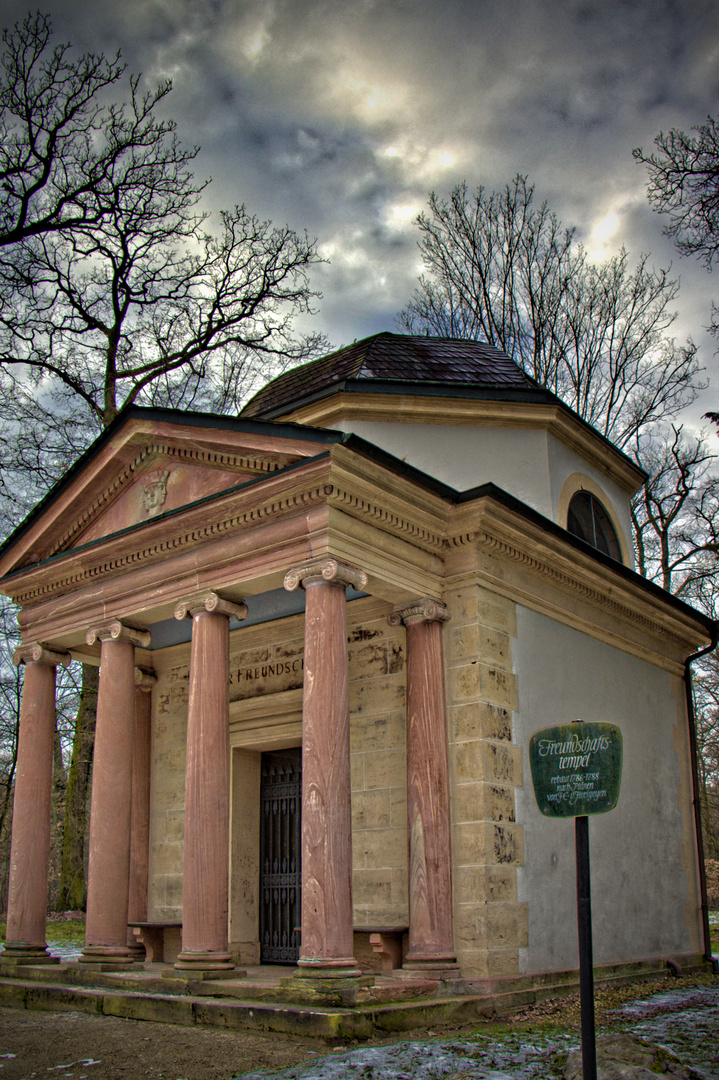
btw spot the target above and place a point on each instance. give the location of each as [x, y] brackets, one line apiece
[428, 813]
[109, 848]
[30, 845]
[205, 883]
[327, 935]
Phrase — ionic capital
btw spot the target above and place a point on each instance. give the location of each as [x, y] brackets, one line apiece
[212, 602]
[425, 610]
[144, 680]
[325, 569]
[119, 631]
[37, 653]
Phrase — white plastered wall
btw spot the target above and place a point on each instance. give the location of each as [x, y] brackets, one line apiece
[638, 851]
[515, 459]
[531, 465]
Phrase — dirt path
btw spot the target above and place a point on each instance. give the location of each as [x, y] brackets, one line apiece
[60, 1046]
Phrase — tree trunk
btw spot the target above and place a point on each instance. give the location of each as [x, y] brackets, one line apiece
[72, 892]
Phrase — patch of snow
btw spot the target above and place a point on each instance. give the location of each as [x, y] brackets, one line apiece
[686, 1021]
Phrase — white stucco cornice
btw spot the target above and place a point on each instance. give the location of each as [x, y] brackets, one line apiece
[554, 418]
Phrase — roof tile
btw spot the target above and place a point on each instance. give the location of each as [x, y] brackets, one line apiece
[393, 358]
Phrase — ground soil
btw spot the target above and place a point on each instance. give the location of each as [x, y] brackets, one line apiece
[64, 1045]
[61, 1045]
[73, 1045]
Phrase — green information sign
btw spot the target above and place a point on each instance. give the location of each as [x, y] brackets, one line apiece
[576, 768]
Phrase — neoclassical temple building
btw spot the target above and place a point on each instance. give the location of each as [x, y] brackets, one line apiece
[326, 630]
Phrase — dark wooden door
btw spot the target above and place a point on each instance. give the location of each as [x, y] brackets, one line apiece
[280, 855]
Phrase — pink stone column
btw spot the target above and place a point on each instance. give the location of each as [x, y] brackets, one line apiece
[431, 943]
[30, 844]
[327, 943]
[206, 860]
[140, 807]
[110, 803]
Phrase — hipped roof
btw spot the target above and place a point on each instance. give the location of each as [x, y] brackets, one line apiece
[397, 358]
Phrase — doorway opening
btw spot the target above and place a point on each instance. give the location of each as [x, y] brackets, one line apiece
[280, 855]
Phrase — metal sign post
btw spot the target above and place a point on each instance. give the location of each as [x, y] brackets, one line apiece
[576, 771]
[586, 960]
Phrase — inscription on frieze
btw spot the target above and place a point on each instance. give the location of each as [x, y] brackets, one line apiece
[270, 676]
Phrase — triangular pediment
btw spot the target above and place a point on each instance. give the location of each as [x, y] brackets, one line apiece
[149, 468]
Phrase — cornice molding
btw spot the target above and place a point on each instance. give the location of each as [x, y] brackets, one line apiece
[473, 412]
[359, 506]
[182, 454]
[610, 607]
[113, 563]
[594, 595]
[381, 524]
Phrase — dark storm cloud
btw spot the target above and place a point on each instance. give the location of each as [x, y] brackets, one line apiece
[340, 117]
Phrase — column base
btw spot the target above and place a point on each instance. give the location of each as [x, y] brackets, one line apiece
[118, 955]
[194, 979]
[430, 967]
[343, 988]
[205, 961]
[20, 953]
[334, 967]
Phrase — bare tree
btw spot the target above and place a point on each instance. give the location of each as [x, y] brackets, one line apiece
[706, 696]
[500, 269]
[122, 313]
[684, 186]
[59, 143]
[10, 697]
[675, 516]
[503, 269]
[675, 521]
[117, 287]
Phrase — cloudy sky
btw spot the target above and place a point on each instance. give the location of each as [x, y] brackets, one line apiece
[339, 116]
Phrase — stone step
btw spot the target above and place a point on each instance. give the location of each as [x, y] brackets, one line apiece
[257, 1005]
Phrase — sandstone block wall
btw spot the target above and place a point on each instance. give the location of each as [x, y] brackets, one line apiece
[167, 798]
[379, 768]
[485, 769]
[490, 925]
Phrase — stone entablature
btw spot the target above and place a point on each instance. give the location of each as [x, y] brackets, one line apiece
[247, 543]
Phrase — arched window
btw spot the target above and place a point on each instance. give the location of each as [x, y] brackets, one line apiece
[588, 520]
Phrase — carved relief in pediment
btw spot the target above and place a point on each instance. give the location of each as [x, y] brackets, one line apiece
[154, 491]
[160, 478]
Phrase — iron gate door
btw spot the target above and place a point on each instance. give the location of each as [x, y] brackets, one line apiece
[280, 813]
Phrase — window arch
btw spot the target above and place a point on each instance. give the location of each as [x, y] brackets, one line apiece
[588, 519]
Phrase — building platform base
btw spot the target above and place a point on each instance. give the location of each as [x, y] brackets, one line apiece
[257, 1002]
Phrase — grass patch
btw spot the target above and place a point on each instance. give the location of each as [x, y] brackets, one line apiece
[563, 1014]
[67, 931]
